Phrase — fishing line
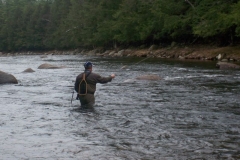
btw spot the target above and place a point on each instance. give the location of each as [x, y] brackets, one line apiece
[124, 67]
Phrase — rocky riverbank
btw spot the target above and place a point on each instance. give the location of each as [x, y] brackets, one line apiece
[222, 56]
[198, 53]
[190, 52]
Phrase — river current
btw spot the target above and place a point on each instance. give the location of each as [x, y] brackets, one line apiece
[192, 113]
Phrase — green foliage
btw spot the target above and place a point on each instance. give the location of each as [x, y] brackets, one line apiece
[211, 20]
[66, 24]
[234, 17]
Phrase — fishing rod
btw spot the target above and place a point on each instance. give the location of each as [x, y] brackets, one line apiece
[72, 97]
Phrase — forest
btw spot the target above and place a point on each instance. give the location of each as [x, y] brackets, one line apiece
[70, 24]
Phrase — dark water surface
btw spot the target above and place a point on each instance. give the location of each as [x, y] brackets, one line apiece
[192, 113]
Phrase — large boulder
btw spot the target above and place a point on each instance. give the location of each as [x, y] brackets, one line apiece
[226, 65]
[6, 78]
[49, 66]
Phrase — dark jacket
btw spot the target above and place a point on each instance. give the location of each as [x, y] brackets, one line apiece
[92, 79]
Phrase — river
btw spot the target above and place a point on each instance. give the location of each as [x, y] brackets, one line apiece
[193, 112]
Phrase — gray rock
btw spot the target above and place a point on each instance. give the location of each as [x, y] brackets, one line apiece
[112, 53]
[43, 56]
[129, 81]
[181, 57]
[28, 70]
[49, 66]
[6, 78]
[151, 77]
[226, 65]
[120, 53]
[219, 57]
[224, 60]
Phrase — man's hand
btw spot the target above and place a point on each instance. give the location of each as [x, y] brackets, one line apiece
[113, 75]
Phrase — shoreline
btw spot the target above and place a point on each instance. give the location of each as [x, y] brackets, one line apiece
[189, 52]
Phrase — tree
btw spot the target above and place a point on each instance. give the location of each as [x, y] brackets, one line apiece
[58, 12]
[234, 18]
[214, 20]
[66, 24]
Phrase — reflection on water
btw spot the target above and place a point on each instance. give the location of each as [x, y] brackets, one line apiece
[192, 113]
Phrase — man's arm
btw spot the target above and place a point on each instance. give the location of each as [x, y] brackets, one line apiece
[105, 79]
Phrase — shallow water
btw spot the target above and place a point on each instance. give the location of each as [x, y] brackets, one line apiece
[192, 113]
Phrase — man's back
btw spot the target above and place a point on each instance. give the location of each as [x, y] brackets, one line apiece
[92, 79]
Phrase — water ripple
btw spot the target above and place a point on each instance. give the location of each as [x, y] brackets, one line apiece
[192, 113]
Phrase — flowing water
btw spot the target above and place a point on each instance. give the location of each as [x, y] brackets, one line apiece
[193, 112]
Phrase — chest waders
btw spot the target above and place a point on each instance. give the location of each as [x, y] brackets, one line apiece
[82, 89]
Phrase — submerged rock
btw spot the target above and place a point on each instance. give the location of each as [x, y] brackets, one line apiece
[6, 78]
[49, 66]
[226, 65]
[129, 81]
[43, 56]
[151, 77]
[28, 70]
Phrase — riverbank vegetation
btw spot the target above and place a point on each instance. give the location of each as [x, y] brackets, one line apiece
[70, 24]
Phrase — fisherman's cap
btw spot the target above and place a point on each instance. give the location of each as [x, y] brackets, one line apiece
[88, 65]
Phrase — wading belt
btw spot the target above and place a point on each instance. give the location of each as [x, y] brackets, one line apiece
[82, 88]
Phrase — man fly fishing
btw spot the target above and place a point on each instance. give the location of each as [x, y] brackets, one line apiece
[85, 85]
